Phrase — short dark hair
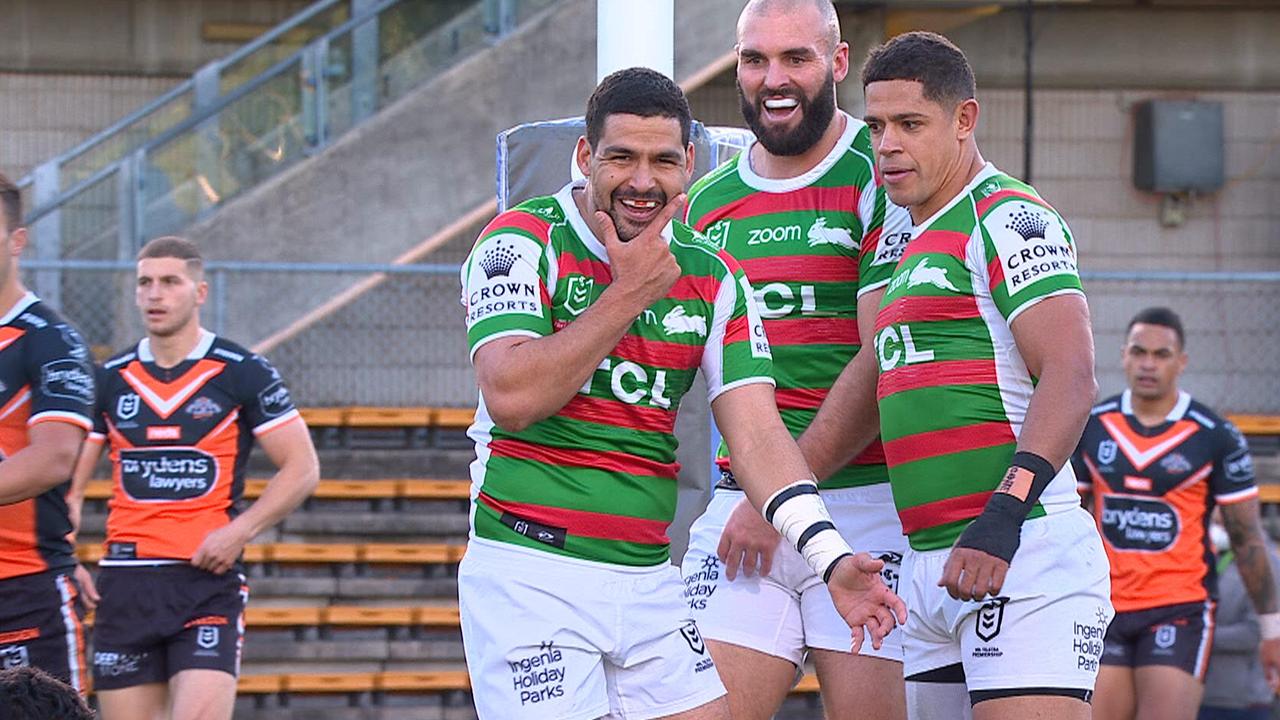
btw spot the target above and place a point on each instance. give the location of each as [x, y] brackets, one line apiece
[927, 58]
[11, 203]
[171, 246]
[1163, 317]
[637, 91]
[28, 693]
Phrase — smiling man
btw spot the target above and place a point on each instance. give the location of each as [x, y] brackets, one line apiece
[588, 315]
[1153, 463]
[985, 361]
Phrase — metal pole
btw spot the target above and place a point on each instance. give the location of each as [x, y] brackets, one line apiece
[631, 34]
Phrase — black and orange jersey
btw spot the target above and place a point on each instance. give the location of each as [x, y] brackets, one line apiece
[1153, 489]
[179, 439]
[45, 375]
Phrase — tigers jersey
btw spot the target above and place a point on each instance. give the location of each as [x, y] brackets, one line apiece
[179, 441]
[1153, 490]
[810, 245]
[45, 376]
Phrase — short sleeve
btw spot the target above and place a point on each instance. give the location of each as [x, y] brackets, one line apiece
[737, 351]
[61, 377]
[505, 288]
[1233, 478]
[889, 230]
[1030, 255]
[99, 431]
[265, 400]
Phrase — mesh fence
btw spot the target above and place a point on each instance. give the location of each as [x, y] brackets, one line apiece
[347, 335]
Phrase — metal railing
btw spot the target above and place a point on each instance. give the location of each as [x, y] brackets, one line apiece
[247, 118]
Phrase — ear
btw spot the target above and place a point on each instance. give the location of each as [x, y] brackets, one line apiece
[688, 163]
[202, 292]
[18, 241]
[966, 119]
[840, 63]
[582, 155]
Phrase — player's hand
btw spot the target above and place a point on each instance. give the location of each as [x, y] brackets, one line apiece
[748, 541]
[88, 591]
[864, 601]
[972, 574]
[220, 550]
[643, 267]
[1269, 656]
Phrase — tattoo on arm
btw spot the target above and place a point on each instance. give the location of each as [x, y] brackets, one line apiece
[1244, 526]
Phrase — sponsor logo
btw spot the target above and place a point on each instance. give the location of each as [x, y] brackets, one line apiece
[203, 408]
[1031, 244]
[764, 295]
[127, 406]
[895, 346]
[701, 585]
[990, 619]
[14, 656]
[775, 234]
[689, 631]
[1239, 466]
[892, 569]
[122, 551]
[578, 294]
[890, 248]
[820, 234]
[67, 379]
[164, 432]
[545, 534]
[1176, 463]
[274, 400]
[677, 322]
[1166, 636]
[1087, 641]
[759, 341]
[167, 474]
[271, 370]
[1131, 523]
[503, 278]
[1107, 452]
[540, 676]
[717, 233]
[76, 346]
[113, 664]
[989, 188]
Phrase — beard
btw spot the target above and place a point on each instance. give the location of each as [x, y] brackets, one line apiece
[627, 230]
[815, 115]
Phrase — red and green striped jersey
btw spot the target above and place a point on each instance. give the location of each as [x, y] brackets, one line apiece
[810, 245]
[953, 388]
[596, 481]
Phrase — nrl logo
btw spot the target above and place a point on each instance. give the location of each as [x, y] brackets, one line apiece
[127, 407]
[1107, 452]
[578, 294]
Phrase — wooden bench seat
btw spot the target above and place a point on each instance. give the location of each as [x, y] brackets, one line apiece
[381, 553]
[388, 488]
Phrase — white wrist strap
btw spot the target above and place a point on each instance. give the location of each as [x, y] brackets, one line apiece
[797, 512]
[1269, 623]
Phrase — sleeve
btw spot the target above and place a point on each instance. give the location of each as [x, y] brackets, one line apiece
[506, 281]
[737, 351]
[1084, 480]
[1232, 479]
[265, 400]
[888, 230]
[1030, 255]
[99, 432]
[61, 377]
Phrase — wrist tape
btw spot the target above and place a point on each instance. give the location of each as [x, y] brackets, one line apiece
[797, 512]
[998, 530]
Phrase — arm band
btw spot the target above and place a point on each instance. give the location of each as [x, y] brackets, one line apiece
[998, 530]
[1269, 625]
[799, 515]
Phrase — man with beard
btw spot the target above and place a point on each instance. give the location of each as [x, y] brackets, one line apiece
[1153, 463]
[588, 314]
[803, 213]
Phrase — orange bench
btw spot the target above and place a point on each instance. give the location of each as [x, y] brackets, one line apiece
[388, 681]
[413, 488]
[329, 553]
[384, 417]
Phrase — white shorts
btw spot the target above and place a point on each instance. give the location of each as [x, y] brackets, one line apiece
[562, 639]
[790, 609]
[1044, 630]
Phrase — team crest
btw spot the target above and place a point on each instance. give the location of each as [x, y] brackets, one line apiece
[1166, 636]
[127, 406]
[1107, 452]
[694, 638]
[202, 407]
[1176, 463]
[990, 618]
[578, 295]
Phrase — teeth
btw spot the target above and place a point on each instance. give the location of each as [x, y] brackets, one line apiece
[781, 104]
[641, 204]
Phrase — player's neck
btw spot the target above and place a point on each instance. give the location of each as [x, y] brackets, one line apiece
[971, 163]
[10, 293]
[170, 350]
[783, 167]
[1152, 412]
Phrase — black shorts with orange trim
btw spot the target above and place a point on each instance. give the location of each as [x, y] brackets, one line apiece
[154, 622]
[42, 625]
[1174, 635]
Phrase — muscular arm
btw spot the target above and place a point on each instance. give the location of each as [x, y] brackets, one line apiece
[1056, 343]
[44, 463]
[1244, 526]
[765, 458]
[86, 463]
[849, 418]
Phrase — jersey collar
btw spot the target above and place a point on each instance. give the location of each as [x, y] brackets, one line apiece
[1176, 414]
[200, 350]
[19, 307]
[753, 180]
[579, 223]
[987, 171]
